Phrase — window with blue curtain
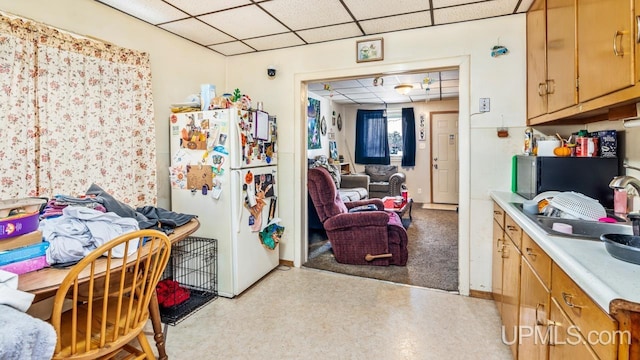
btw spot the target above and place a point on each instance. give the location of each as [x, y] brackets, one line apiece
[408, 137]
[372, 143]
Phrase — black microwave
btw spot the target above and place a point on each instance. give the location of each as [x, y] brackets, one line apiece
[587, 175]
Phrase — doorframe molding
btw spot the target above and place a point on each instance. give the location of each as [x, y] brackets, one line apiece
[299, 236]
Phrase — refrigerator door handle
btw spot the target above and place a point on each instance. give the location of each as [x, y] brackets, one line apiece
[237, 176]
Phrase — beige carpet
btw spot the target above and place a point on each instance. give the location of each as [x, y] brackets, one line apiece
[433, 253]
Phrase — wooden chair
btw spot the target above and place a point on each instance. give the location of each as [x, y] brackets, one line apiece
[99, 326]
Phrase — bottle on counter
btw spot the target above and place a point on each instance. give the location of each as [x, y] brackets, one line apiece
[528, 141]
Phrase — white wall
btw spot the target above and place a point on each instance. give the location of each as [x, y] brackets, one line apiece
[327, 109]
[178, 67]
[487, 163]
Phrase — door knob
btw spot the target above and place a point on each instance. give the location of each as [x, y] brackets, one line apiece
[435, 166]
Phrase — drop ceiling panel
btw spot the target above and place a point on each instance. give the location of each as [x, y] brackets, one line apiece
[369, 9]
[525, 5]
[473, 11]
[199, 7]
[399, 22]
[330, 33]
[151, 11]
[232, 48]
[244, 22]
[197, 31]
[345, 84]
[307, 14]
[274, 41]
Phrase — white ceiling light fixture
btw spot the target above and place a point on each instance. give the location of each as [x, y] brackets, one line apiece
[403, 89]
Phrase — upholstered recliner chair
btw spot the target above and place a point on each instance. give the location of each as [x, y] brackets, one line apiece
[362, 237]
[385, 180]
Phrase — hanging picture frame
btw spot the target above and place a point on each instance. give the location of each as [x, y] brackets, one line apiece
[313, 124]
[369, 50]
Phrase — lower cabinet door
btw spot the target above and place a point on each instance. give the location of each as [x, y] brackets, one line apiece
[534, 315]
[511, 294]
[565, 341]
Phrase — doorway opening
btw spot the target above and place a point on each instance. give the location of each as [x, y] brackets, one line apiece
[345, 138]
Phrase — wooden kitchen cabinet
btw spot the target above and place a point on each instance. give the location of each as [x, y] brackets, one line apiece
[564, 340]
[511, 293]
[589, 319]
[581, 60]
[534, 315]
[496, 273]
[606, 50]
[551, 57]
[535, 295]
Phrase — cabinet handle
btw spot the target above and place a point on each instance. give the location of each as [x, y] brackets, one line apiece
[538, 322]
[615, 43]
[531, 253]
[551, 86]
[496, 212]
[552, 331]
[567, 300]
[505, 252]
[542, 86]
[512, 228]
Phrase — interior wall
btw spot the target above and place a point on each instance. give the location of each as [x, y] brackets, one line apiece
[178, 67]
[329, 110]
[488, 158]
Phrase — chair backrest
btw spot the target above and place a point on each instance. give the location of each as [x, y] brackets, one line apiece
[323, 192]
[109, 308]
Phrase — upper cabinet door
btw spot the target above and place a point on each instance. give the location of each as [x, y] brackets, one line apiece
[536, 60]
[606, 53]
[561, 54]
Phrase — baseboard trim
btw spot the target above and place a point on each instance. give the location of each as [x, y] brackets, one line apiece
[481, 294]
[288, 263]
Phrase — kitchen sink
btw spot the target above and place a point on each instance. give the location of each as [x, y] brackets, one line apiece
[582, 229]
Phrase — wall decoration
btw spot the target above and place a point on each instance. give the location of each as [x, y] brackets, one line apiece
[339, 122]
[323, 126]
[313, 124]
[369, 50]
[333, 150]
[422, 134]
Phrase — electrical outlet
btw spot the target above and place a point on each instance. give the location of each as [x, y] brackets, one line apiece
[484, 105]
[419, 190]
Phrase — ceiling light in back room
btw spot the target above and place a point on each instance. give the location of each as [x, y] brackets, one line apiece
[403, 89]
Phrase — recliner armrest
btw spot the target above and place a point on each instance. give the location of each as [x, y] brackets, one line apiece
[357, 220]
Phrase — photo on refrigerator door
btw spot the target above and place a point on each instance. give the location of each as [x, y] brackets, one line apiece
[264, 184]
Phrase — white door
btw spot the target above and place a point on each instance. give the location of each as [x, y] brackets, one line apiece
[252, 258]
[444, 157]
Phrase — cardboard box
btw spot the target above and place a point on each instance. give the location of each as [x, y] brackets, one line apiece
[607, 143]
[18, 225]
[15, 242]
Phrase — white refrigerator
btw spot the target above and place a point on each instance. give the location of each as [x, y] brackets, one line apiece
[224, 170]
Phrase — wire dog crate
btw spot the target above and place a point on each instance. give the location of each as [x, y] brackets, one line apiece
[190, 280]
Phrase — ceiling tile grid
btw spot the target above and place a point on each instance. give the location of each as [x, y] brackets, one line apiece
[219, 24]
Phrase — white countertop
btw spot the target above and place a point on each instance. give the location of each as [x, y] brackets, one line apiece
[603, 277]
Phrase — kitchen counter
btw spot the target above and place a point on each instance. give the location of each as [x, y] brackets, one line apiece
[610, 282]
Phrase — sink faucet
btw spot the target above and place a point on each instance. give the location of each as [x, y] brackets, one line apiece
[621, 182]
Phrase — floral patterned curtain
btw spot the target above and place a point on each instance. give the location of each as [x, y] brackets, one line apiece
[95, 118]
[17, 111]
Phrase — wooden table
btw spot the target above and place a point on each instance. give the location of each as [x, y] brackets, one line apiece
[44, 284]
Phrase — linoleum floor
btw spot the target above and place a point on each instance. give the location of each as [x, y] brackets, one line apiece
[298, 313]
